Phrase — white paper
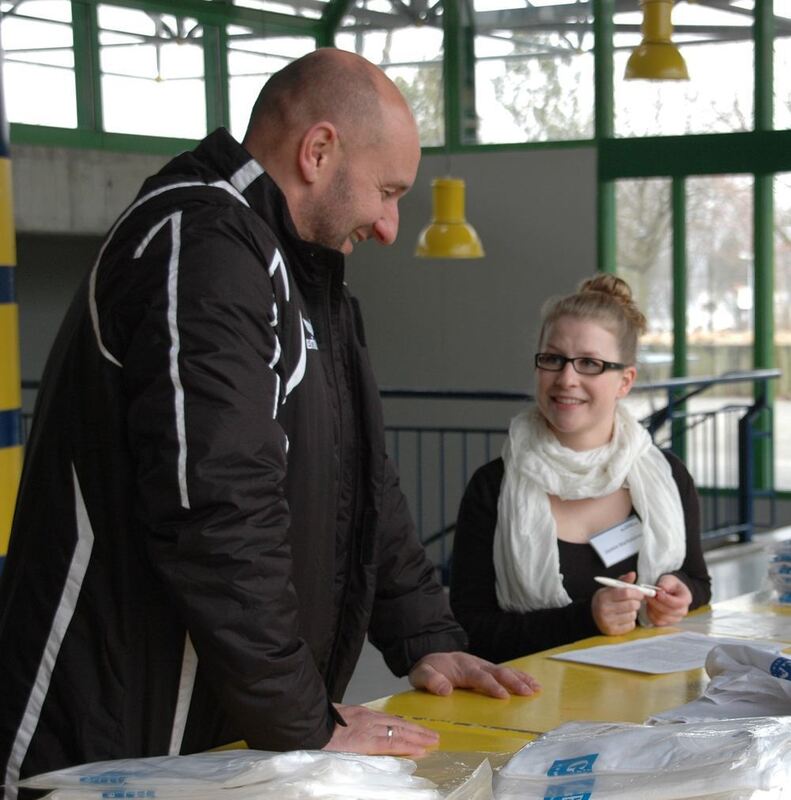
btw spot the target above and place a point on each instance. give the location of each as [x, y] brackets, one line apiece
[657, 655]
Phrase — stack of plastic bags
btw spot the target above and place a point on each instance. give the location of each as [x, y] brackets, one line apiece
[722, 760]
[780, 570]
[255, 775]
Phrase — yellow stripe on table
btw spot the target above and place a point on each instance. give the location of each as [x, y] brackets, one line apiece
[462, 738]
[455, 737]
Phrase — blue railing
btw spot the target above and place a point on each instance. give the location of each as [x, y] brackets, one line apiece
[720, 446]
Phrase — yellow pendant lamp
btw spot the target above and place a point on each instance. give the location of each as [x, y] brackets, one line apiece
[656, 58]
[449, 235]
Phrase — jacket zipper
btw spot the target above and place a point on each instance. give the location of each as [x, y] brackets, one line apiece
[353, 511]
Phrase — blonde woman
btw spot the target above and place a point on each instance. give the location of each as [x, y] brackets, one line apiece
[580, 492]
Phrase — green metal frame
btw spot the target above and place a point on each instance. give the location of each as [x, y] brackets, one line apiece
[760, 153]
[215, 70]
[751, 152]
[763, 232]
[331, 20]
[97, 140]
[459, 77]
[86, 66]
[220, 13]
[679, 279]
[604, 128]
[215, 17]
[452, 75]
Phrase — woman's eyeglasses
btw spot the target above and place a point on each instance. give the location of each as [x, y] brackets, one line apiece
[584, 365]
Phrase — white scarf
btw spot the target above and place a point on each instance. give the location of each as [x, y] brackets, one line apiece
[526, 559]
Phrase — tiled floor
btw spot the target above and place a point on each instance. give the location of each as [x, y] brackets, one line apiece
[734, 570]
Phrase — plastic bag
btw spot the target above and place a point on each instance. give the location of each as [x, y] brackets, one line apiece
[746, 681]
[259, 775]
[241, 775]
[621, 761]
[780, 570]
[459, 775]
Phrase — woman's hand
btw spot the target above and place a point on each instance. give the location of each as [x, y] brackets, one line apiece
[615, 610]
[671, 603]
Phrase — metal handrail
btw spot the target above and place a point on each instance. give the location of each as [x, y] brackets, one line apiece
[729, 508]
[703, 381]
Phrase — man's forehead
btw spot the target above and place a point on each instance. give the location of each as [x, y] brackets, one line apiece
[400, 167]
[403, 143]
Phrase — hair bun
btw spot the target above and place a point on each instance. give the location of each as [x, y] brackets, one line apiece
[618, 289]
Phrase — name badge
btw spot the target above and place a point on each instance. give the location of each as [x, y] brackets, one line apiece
[619, 542]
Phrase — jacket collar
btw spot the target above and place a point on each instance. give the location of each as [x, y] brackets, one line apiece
[313, 263]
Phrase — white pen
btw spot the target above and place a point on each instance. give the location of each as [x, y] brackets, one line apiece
[645, 588]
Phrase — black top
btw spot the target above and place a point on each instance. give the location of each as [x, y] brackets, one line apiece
[503, 635]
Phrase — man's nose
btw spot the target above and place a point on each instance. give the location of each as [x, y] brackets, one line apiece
[386, 227]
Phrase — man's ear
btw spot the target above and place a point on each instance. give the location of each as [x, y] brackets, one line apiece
[318, 151]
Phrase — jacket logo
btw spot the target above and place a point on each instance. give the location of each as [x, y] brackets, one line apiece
[310, 337]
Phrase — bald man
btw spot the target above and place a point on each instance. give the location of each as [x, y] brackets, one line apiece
[208, 525]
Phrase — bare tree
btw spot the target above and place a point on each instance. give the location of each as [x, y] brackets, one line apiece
[643, 245]
[541, 95]
[424, 93]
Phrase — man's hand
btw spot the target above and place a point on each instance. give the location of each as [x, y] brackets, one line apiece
[366, 732]
[441, 673]
[671, 604]
[615, 610]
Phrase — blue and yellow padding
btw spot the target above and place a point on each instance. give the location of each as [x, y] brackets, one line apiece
[10, 383]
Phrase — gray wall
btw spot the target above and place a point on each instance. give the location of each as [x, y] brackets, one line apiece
[65, 199]
[433, 324]
[471, 324]
[74, 191]
[49, 269]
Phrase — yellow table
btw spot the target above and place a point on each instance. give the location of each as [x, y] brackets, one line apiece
[468, 721]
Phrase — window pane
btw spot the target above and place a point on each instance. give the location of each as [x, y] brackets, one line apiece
[38, 68]
[643, 225]
[252, 59]
[782, 308]
[152, 73]
[717, 45]
[408, 47]
[52, 10]
[720, 276]
[782, 66]
[533, 71]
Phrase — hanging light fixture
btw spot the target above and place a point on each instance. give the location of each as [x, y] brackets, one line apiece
[656, 58]
[449, 235]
